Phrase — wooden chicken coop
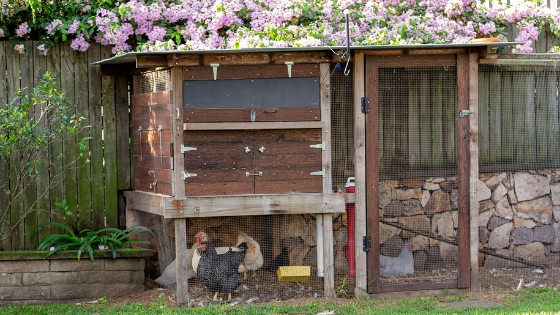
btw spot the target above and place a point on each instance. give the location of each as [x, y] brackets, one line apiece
[249, 132]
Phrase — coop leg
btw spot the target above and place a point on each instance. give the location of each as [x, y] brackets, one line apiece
[215, 297]
[181, 262]
[229, 296]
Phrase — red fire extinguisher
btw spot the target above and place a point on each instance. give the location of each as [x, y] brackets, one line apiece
[348, 249]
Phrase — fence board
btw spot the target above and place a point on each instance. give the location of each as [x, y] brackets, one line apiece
[4, 211]
[541, 113]
[506, 113]
[436, 119]
[483, 127]
[494, 108]
[553, 116]
[414, 125]
[56, 183]
[14, 84]
[110, 146]
[83, 171]
[43, 196]
[425, 147]
[30, 194]
[67, 86]
[450, 119]
[123, 121]
[518, 114]
[528, 152]
[96, 143]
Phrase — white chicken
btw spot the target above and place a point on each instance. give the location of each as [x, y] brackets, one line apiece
[169, 276]
[253, 256]
[398, 266]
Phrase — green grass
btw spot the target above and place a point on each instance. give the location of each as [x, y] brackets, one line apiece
[530, 301]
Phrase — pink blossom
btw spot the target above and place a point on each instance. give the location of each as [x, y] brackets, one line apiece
[23, 29]
[54, 24]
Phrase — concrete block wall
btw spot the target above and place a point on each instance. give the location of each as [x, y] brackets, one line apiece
[68, 280]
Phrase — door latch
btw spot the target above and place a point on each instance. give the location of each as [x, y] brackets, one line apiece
[253, 174]
[465, 112]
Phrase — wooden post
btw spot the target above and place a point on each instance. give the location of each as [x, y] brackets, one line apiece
[359, 173]
[328, 243]
[179, 183]
[473, 150]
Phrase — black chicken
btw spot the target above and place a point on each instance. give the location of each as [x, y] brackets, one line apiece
[283, 259]
[219, 272]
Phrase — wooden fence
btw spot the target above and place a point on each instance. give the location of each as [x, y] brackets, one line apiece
[90, 190]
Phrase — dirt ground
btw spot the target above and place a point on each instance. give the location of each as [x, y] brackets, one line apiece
[264, 288]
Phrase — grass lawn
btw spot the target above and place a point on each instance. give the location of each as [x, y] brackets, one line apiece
[528, 301]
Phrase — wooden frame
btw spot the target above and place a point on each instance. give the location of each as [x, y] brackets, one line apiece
[467, 81]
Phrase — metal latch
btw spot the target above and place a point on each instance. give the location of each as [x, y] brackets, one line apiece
[253, 174]
[185, 149]
[321, 173]
[318, 146]
[465, 112]
[186, 175]
[365, 105]
[367, 244]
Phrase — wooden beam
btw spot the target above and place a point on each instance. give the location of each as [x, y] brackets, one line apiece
[463, 169]
[473, 176]
[372, 171]
[418, 286]
[177, 131]
[255, 125]
[181, 262]
[115, 70]
[415, 52]
[328, 243]
[419, 293]
[182, 60]
[217, 206]
[359, 171]
[151, 61]
[145, 201]
[418, 61]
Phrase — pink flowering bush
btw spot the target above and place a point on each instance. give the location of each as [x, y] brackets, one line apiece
[152, 25]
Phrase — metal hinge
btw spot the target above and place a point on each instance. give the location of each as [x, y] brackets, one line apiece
[185, 149]
[318, 146]
[465, 112]
[321, 173]
[367, 243]
[365, 105]
[186, 175]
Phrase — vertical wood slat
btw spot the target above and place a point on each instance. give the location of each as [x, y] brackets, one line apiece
[413, 124]
[96, 144]
[4, 209]
[450, 117]
[124, 166]
[541, 113]
[372, 171]
[328, 240]
[437, 116]
[425, 120]
[42, 179]
[181, 262]
[360, 178]
[553, 116]
[506, 113]
[468, 248]
[83, 170]
[528, 151]
[55, 179]
[67, 85]
[494, 109]
[464, 77]
[30, 191]
[484, 123]
[110, 146]
[16, 211]
[518, 114]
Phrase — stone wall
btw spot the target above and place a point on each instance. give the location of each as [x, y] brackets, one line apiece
[518, 217]
[46, 281]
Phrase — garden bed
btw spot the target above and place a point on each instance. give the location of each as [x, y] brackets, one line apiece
[26, 277]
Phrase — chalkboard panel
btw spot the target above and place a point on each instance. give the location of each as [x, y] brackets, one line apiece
[252, 93]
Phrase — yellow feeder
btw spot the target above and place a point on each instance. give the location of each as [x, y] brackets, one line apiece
[293, 273]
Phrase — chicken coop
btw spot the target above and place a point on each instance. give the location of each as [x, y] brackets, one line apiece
[362, 166]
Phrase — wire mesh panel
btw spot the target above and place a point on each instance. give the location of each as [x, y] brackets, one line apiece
[154, 81]
[417, 152]
[519, 187]
[273, 241]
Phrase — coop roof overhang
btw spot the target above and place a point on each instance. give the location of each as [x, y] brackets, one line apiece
[131, 57]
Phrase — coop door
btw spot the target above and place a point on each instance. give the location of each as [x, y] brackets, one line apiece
[414, 211]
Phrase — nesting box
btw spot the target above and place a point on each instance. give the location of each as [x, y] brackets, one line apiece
[293, 273]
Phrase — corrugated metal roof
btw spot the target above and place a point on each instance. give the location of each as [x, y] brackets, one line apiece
[130, 57]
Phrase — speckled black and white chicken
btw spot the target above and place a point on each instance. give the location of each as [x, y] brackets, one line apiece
[219, 272]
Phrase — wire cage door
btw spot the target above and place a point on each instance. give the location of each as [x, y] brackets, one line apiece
[417, 210]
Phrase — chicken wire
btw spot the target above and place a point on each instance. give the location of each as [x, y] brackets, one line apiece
[417, 148]
[519, 172]
[283, 240]
[153, 81]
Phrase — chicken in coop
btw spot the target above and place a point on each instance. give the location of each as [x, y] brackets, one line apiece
[169, 276]
[283, 259]
[253, 257]
[202, 236]
[398, 266]
[219, 272]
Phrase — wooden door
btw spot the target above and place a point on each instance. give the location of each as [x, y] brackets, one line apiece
[392, 106]
[286, 160]
[221, 162]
